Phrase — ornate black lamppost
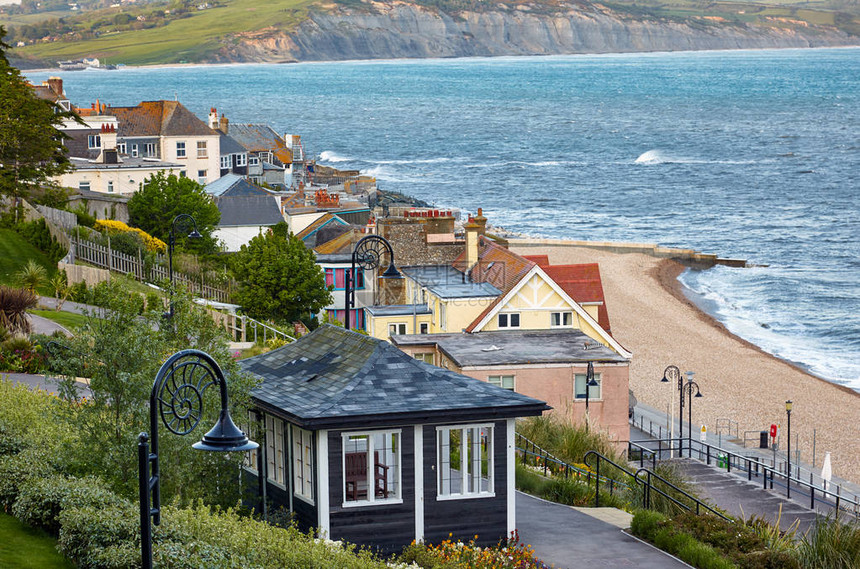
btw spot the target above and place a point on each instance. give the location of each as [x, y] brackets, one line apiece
[672, 374]
[589, 382]
[177, 397]
[367, 255]
[688, 386]
[788, 405]
[171, 243]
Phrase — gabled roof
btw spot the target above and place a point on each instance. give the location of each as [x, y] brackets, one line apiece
[230, 146]
[582, 283]
[158, 118]
[343, 243]
[233, 185]
[251, 211]
[336, 378]
[326, 219]
[516, 347]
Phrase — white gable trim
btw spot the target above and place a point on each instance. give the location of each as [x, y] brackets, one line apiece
[580, 311]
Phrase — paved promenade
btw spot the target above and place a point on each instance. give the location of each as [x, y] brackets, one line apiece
[572, 538]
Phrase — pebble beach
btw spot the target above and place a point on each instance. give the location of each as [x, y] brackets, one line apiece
[651, 317]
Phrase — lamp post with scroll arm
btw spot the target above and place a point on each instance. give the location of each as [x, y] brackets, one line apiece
[367, 255]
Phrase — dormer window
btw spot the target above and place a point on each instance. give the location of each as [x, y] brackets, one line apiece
[253, 161]
[241, 159]
[94, 141]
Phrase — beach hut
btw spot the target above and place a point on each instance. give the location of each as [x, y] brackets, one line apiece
[369, 445]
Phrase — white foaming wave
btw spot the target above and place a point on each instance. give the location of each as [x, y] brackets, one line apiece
[440, 160]
[659, 157]
[329, 156]
[388, 174]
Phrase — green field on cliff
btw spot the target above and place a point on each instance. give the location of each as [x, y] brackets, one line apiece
[193, 35]
[188, 39]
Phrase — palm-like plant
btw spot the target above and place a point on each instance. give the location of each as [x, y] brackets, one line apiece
[14, 303]
[61, 287]
[32, 276]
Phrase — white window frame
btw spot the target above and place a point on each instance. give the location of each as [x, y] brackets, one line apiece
[275, 460]
[443, 490]
[250, 462]
[241, 159]
[561, 319]
[134, 151]
[506, 319]
[253, 161]
[121, 147]
[226, 162]
[149, 150]
[202, 176]
[371, 498]
[110, 186]
[84, 185]
[202, 149]
[591, 396]
[426, 357]
[396, 328]
[303, 464]
[180, 149]
[501, 380]
[94, 141]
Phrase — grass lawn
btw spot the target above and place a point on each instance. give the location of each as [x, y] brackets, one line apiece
[68, 320]
[24, 548]
[185, 39]
[14, 254]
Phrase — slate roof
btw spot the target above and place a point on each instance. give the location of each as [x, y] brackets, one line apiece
[446, 282]
[229, 145]
[248, 211]
[337, 378]
[318, 223]
[398, 309]
[515, 347]
[158, 118]
[233, 185]
[261, 138]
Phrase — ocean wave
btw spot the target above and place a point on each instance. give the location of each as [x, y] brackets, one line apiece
[653, 157]
[329, 156]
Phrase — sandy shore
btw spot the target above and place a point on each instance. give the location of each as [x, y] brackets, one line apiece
[651, 317]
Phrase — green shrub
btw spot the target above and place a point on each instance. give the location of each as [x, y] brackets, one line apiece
[154, 302]
[530, 481]
[78, 293]
[101, 538]
[84, 217]
[40, 500]
[646, 524]
[17, 469]
[37, 233]
[128, 243]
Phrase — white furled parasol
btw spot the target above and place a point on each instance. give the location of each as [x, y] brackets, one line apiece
[826, 471]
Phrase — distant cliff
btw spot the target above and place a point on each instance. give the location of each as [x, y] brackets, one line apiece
[385, 30]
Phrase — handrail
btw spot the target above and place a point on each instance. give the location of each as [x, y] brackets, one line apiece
[770, 472]
[569, 469]
[648, 486]
[597, 473]
[642, 450]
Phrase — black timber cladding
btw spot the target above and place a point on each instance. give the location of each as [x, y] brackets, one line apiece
[387, 527]
[334, 378]
[465, 518]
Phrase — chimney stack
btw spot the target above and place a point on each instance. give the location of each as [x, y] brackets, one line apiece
[56, 85]
[224, 125]
[213, 118]
[108, 136]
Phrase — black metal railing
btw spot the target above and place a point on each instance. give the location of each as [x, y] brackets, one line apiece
[648, 486]
[552, 465]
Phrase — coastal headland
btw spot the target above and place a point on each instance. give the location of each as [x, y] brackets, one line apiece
[652, 318]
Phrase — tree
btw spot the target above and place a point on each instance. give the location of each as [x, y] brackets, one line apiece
[120, 351]
[31, 146]
[279, 278]
[162, 198]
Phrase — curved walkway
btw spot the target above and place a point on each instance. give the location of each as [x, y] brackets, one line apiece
[569, 538]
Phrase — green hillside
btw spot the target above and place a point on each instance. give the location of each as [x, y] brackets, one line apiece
[192, 37]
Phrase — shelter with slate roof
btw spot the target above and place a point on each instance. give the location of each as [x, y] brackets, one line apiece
[374, 447]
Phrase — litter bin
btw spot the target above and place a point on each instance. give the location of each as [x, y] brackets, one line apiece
[762, 439]
[722, 461]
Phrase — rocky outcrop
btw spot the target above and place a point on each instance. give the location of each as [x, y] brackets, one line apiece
[400, 30]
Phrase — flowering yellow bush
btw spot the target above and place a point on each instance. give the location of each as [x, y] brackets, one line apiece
[509, 554]
[153, 244]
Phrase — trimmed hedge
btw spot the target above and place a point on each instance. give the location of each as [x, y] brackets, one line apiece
[40, 500]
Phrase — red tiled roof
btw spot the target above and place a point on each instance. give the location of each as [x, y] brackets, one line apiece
[539, 260]
[582, 283]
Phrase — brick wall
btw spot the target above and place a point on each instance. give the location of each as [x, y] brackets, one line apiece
[408, 238]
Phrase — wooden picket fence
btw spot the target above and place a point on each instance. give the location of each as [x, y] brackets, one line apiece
[107, 258]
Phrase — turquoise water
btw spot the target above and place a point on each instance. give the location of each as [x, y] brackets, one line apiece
[747, 154]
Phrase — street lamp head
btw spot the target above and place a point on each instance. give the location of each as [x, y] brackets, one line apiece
[391, 273]
[788, 405]
[195, 234]
[225, 436]
[698, 393]
[665, 379]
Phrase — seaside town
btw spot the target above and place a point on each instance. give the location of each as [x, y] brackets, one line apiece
[407, 377]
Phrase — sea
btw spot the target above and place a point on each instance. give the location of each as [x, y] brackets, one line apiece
[747, 154]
